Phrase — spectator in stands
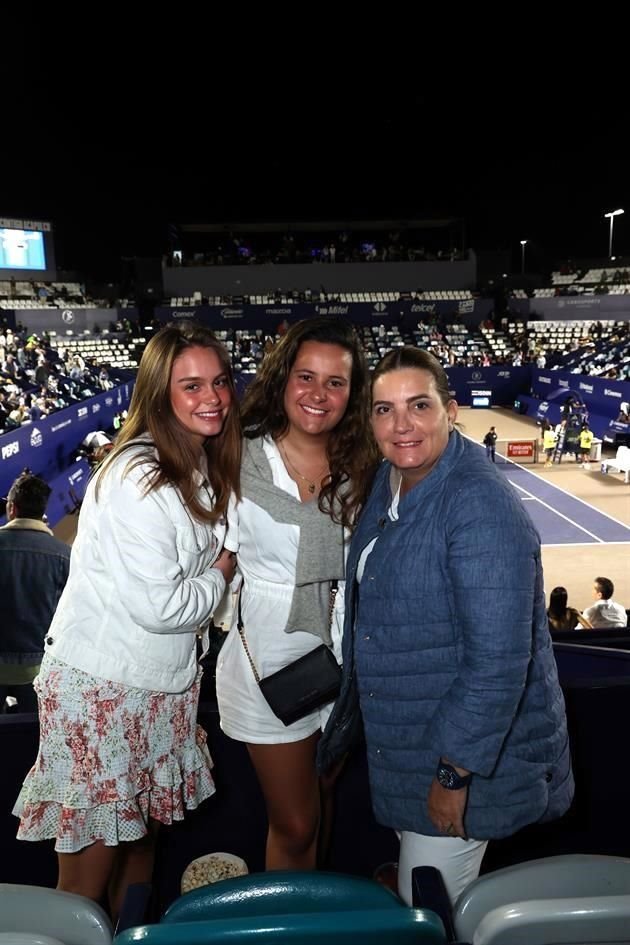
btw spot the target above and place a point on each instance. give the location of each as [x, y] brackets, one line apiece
[42, 372]
[307, 458]
[10, 367]
[20, 355]
[490, 443]
[605, 612]
[103, 379]
[17, 417]
[463, 714]
[4, 411]
[33, 573]
[120, 750]
[76, 373]
[561, 616]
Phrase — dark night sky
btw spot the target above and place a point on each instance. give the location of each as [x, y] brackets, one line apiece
[116, 153]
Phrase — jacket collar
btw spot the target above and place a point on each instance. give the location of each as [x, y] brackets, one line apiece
[418, 494]
[30, 524]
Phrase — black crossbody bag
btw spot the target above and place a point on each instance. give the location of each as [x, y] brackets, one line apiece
[304, 685]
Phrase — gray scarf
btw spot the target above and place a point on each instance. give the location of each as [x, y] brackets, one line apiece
[320, 557]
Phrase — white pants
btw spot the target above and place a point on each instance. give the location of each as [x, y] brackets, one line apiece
[459, 861]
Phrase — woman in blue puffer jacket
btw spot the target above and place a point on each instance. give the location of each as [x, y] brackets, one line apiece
[447, 650]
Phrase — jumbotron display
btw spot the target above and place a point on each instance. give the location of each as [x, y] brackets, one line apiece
[25, 246]
[21, 249]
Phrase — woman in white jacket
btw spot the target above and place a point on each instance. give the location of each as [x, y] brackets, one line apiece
[120, 750]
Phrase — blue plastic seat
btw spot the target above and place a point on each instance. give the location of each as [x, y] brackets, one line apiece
[291, 908]
[281, 892]
[402, 926]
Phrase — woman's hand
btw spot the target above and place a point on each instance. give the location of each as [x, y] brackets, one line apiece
[226, 564]
[446, 809]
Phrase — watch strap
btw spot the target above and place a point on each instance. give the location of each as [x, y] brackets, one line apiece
[450, 779]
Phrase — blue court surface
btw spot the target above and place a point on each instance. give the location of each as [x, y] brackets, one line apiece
[562, 518]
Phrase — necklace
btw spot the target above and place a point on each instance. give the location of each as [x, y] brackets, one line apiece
[311, 485]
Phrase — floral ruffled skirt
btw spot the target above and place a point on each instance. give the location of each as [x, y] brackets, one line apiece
[110, 757]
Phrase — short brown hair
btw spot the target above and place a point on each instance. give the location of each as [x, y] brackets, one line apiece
[605, 587]
[409, 357]
[29, 494]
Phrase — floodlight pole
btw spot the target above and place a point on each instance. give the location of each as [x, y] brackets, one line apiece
[523, 245]
[611, 216]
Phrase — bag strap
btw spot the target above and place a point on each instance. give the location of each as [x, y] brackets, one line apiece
[334, 587]
[241, 633]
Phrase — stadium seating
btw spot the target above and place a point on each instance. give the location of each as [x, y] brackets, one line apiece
[66, 918]
[291, 908]
[578, 898]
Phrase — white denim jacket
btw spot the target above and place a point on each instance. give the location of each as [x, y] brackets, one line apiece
[141, 585]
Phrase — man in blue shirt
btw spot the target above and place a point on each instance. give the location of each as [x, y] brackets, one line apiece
[34, 568]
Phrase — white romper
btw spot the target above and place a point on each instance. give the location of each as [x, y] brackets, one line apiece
[267, 559]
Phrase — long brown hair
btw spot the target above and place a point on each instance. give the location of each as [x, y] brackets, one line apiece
[151, 412]
[351, 449]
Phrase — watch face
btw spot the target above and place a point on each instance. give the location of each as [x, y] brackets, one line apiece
[446, 777]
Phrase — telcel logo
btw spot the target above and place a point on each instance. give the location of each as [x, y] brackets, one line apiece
[10, 449]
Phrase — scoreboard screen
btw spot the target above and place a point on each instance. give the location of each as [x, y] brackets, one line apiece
[481, 398]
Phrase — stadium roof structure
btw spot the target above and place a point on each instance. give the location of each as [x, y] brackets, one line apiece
[320, 226]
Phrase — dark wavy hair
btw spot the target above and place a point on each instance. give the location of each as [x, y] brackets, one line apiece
[151, 411]
[352, 453]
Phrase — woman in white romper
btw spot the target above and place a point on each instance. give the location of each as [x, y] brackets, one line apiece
[308, 459]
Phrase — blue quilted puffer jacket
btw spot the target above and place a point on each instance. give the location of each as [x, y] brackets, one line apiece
[447, 645]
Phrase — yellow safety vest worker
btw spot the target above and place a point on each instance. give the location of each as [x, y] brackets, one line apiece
[586, 440]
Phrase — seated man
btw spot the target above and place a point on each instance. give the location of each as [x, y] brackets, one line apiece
[33, 572]
[605, 612]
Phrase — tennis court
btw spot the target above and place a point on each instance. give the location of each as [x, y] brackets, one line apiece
[582, 516]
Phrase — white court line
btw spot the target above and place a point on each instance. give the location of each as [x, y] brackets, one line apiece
[570, 494]
[553, 484]
[556, 512]
[582, 544]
